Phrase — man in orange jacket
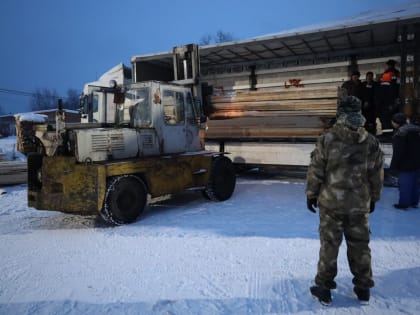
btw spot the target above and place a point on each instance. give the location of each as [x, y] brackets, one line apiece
[388, 96]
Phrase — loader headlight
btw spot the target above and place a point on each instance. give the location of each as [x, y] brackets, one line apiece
[112, 84]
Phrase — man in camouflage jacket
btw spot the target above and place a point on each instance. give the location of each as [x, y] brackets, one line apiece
[345, 179]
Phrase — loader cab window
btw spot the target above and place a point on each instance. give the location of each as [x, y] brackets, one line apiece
[173, 107]
[190, 110]
[138, 104]
[89, 106]
[95, 103]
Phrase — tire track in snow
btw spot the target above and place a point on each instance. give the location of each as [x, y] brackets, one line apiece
[254, 285]
[212, 289]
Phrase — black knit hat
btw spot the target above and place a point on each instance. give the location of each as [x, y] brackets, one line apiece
[349, 112]
[391, 62]
[399, 118]
[349, 104]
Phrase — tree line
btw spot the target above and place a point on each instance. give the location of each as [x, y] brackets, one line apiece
[46, 98]
[217, 38]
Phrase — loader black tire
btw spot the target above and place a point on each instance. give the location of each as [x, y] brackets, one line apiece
[222, 179]
[125, 199]
[34, 171]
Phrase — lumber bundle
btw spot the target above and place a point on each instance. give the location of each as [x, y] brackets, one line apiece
[13, 172]
[277, 114]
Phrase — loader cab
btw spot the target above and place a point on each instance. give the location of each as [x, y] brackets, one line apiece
[169, 109]
[177, 118]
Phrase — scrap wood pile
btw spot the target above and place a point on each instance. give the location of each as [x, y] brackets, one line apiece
[24, 134]
[281, 114]
[13, 172]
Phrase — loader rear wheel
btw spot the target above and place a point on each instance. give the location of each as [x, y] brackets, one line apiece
[34, 171]
[222, 179]
[125, 199]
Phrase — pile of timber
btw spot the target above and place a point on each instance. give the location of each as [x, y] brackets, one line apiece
[297, 112]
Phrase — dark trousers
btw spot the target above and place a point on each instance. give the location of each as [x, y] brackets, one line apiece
[408, 183]
[355, 229]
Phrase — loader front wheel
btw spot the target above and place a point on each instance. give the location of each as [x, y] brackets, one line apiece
[222, 179]
[125, 199]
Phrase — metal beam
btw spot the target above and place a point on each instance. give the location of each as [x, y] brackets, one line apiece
[308, 46]
[372, 37]
[271, 50]
[254, 53]
[363, 52]
[222, 58]
[288, 48]
[238, 55]
[349, 40]
[328, 43]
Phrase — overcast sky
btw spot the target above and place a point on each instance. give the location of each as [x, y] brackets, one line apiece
[59, 44]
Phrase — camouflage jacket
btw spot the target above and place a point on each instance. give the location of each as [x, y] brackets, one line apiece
[346, 170]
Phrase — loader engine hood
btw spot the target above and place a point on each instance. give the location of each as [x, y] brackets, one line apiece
[104, 144]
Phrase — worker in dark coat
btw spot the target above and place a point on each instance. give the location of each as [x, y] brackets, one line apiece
[345, 179]
[354, 86]
[369, 106]
[406, 160]
[387, 100]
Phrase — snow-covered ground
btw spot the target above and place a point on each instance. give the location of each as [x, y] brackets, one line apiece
[253, 254]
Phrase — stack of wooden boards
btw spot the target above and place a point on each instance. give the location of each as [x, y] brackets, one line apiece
[293, 112]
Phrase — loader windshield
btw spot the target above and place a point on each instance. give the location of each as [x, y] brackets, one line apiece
[137, 101]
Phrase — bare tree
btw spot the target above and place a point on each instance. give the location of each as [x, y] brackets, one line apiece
[206, 40]
[48, 99]
[44, 99]
[219, 37]
[222, 37]
[72, 100]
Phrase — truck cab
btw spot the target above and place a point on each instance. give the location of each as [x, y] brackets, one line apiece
[97, 101]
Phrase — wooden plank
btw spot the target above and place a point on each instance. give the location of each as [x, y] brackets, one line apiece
[13, 172]
[236, 114]
[257, 96]
[7, 167]
[296, 120]
[263, 132]
[277, 105]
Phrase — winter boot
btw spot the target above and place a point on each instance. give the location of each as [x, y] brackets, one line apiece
[323, 295]
[362, 294]
[401, 207]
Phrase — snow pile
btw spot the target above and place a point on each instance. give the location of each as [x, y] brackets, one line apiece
[32, 117]
[8, 150]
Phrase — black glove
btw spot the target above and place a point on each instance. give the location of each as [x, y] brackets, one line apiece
[312, 204]
[372, 206]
